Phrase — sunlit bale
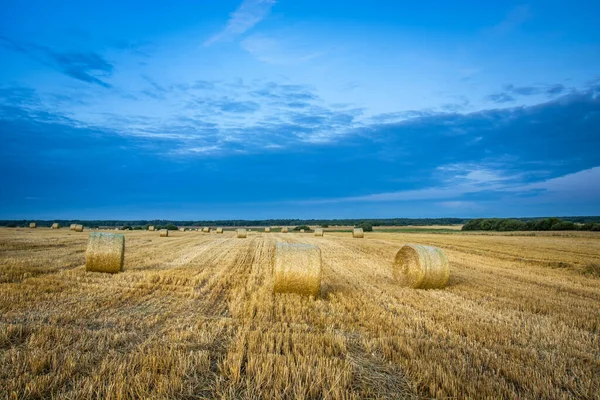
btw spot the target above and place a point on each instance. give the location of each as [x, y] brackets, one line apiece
[164, 233]
[105, 252]
[267, 229]
[297, 269]
[319, 232]
[421, 267]
[181, 229]
[32, 225]
[284, 229]
[55, 225]
[241, 233]
[78, 228]
[151, 228]
[206, 229]
[358, 233]
[219, 230]
[72, 227]
[301, 230]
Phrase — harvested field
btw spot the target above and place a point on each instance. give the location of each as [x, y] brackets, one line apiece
[195, 316]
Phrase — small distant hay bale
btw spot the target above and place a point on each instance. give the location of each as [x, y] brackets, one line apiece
[219, 230]
[358, 233]
[78, 228]
[284, 229]
[32, 225]
[181, 229]
[241, 233]
[164, 232]
[105, 252]
[151, 228]
[55, 225]
[301, 230]
[267, 229]
[206, 229]
[421, 267]
[297, 269]
[319, 232]
[72, 227]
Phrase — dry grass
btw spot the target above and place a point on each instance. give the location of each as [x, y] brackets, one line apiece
[196, 317]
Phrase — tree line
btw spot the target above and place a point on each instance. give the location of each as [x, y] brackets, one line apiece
[540, 224]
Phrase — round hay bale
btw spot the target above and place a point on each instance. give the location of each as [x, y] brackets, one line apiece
[284, 229]
[421, 267]
[206, 229]
[164, 232]
[219, 230]
[105, 252]
[301, 230]
[297, 269]
[151, 228]
[319, 232]
[358, 233]
[72, 227]
[32, 225]
[56, 225]
[78, 228]
[267, 229]
[241, 233]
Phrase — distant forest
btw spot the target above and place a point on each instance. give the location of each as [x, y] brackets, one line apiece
[470, 224]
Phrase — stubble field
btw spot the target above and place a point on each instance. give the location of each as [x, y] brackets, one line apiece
[193, 316]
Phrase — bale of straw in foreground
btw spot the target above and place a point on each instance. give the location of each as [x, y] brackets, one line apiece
[72, 227]
[56, 225]
[284, 229]
[151, 228]
[164, 232]
[267, 229]
[319, 232]
[358, 233]
[105, 252]
[219, 230]
[421, 267]
[78, 228]
[241, 233]
[206, 229]
[297, 269]
[32, 225]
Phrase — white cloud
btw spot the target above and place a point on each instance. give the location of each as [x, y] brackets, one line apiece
[276, 51]
[248, 14]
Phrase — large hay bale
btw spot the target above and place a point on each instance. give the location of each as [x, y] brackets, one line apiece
[151, 228]
[358, 233]
[55, 225]
[241, 233]
[72, 227]
[206, 229]
[284, 229]
[267, 229]
[78, 228]
[219, 230]
[297, 269]
[164, 232]
[32, 225]
[319, 232]
[421, 267]
[105, 252]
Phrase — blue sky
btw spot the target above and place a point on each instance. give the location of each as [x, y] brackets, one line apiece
[285, 109]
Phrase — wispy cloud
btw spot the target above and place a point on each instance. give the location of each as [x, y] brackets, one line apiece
[83, 66]
[515, 18]
[248, 14]
[276, 51]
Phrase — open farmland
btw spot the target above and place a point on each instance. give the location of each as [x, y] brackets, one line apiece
[193, 316]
